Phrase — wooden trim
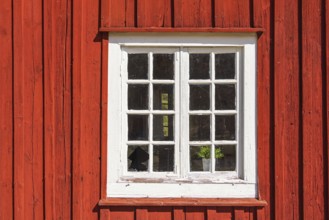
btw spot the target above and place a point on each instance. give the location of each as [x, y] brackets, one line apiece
[181, 202]
[211, 30]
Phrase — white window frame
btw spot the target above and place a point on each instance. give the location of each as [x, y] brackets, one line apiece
[240, 184]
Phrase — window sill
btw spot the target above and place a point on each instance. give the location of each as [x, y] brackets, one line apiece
[181, 202]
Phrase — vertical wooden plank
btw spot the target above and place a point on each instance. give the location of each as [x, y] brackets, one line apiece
[211, 213]
[193, 13]
[179, 213]
[141, 213]
[287, 110]
[154, 13]
[224, 213]
[326, 41]
[131, 8]
[86, 110]
[6, 108]
[195, 213]
[261, 214]
[263, 18]
[117, 13]
[160, 213]
[122, 213]
[105, 13]
[57, 53]
[104, 87]
[313, 157]
[105, 214]
[235, 13]
[239, 214]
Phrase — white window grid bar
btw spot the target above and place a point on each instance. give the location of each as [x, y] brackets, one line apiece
[212, 107]
[210, 81]
[155, 112]
[150, 74]
[153, 81]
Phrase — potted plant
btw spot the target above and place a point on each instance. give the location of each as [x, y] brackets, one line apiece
[205, 152]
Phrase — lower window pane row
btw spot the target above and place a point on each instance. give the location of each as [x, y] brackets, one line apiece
[163, 158]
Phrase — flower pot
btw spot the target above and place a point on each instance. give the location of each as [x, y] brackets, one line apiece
[206, 164]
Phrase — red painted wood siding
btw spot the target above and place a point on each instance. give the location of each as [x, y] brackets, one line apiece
[53, 100]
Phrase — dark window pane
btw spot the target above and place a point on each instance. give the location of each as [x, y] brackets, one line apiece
[200, 158]
[199, 66]
[138, 66]
[163, 97]
[225, 97]
[138, 158]
[225, 66]
[163, 158]
[199, 127]
[225, 127]
[138, 97]
[138, 127]
[227, 159]
[199, 97]
[163, 66]
[163, 127]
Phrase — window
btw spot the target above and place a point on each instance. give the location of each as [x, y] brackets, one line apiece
[181, 115]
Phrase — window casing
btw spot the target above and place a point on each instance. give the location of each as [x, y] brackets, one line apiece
[173, 116]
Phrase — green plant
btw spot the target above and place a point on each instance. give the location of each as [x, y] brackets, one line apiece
[204, 152]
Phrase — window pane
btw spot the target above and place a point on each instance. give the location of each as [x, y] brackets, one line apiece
[163, 97]
[225, 127]
[163, 127]
[199, 127]
[199, 97]
[138, 127]
[199, 66]
[163, 158]
[138, 97]
[225, 66]
[225, 97]
[200, 158]
[163, 66]
[138, 66]
[138, 158]
[226, 160]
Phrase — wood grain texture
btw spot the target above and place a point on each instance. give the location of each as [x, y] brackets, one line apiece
[122, 213]
[178, 213]
[195, 213]
[117, 11]
[6, 111]
[142, 213]
[287, 110]
[163, 213]
[313, 154]
[154, 13]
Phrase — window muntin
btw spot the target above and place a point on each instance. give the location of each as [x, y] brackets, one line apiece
[209, 73]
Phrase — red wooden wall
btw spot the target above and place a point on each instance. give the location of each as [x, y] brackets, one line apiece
[52, 99]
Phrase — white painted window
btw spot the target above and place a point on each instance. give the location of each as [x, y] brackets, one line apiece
[182, 115]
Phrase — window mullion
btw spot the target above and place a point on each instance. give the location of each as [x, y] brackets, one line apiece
[150, 67]
[212, 101]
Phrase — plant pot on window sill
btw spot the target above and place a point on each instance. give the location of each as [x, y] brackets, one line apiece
[206, 164]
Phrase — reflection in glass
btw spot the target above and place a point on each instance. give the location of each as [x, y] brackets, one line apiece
[199, 127]
[137, 66]
[225, 66]
[138, 158]
[199, 97]
[138, 97]
[163, 158]
[163, 66]
[163, 127]
[163, 97]
[199, 66]
[225, 97]
[228, 161]
[138, 127]
[225, 127]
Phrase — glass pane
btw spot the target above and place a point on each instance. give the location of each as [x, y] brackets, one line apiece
[138, 158]
[138, 97]
[199, 66]
[163, 66]
[163, 97]
[163, 158]
[199, 127]
[138, 66]
[138, 127]
[226, 158]
[225, 66]
[225, 97]
[225, 127]
[199, 97]
[163, 127]
[200, 159]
